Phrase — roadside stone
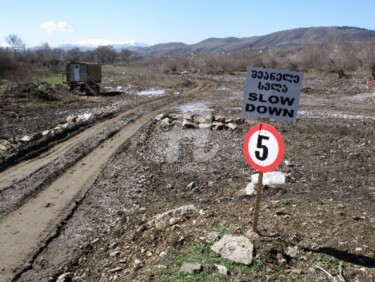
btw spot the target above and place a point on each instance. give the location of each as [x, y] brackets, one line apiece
[114, 253]
[211, 237]
[165, 122]
[5, 145]
[191, 185]
[116, 269]
[250, 188]
[219, 119]
[217, 125]
[191, 268]
[204, 126]
[162, 220]
[160, 117]
[25, 139]
[231, 126]
[292, 252]
[45, 132]
[64, 277]
[221, 269]
[187, 124]
[137, 264]
[235, 248]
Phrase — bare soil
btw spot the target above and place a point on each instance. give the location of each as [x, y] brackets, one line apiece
[81, 202]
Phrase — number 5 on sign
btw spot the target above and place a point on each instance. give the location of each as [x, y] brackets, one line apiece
[263, 147]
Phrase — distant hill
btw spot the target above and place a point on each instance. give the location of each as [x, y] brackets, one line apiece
[293, 37]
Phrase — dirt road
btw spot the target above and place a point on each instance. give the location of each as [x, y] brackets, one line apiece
[24, 231]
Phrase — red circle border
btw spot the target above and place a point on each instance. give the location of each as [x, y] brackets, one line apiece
[280, 142]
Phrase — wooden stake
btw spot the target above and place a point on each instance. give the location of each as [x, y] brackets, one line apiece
[257, 201]
[258, 195]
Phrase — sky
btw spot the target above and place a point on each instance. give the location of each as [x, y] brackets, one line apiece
[59, 22]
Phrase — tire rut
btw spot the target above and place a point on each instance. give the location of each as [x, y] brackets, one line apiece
[27, 229]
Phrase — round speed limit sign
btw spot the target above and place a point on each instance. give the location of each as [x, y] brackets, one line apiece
[263, 147]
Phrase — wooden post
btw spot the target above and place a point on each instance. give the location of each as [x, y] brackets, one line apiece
[258, 193]
[257, 201]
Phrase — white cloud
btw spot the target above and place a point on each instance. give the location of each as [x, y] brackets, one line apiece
[52, 27]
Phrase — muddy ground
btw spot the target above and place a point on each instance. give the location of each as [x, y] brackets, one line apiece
[318, 226]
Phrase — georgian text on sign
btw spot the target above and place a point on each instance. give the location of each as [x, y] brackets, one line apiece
[272, 94]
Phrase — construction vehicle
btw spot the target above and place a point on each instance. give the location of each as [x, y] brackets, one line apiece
[84, 76]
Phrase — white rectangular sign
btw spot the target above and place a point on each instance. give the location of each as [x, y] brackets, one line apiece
[272, 94]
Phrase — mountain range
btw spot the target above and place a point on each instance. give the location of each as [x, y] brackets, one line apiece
[292, 37]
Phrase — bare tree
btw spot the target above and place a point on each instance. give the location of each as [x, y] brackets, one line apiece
[16, 44]
[106, 54]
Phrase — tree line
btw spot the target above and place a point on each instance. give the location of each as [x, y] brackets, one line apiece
[16, 60]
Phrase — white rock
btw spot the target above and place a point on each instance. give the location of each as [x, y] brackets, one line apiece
[217, 125]
[64, 277]
[191, 268]
[187, 124]
[292, 252]
[160, 117]
[223, 270]
[45, 132]
[270, 178]
[5, 144]
[204, 126]
[250, 188]
[26, 138]
[231, 126]
[235, 248]
[114, 253]
[3, 148]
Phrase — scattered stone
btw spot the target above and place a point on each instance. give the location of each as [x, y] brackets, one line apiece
[231, 126]
[5, 145]
[221, 269]
[137, 264]
[64, 277]
[250, 188]
[292, 252]
[25, 139]
[270, 178]
[191, 268]
[219, 119]
[161, 221]
[114, 253]
[163, 254]
[289, 163]
[160, 117]
[228, 120]
[235, 248]
[211, 237]
[83, 117]
[204, 126]
[216, 125]
[253, 236]
[116, 269]
[188, 124]
[188, 117]
[191, 185]
[45, 132]
[165, 122]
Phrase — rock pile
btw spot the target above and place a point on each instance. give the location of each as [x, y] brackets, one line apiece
[189, 121]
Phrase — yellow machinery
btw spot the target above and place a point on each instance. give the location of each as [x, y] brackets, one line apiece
[84, 76]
